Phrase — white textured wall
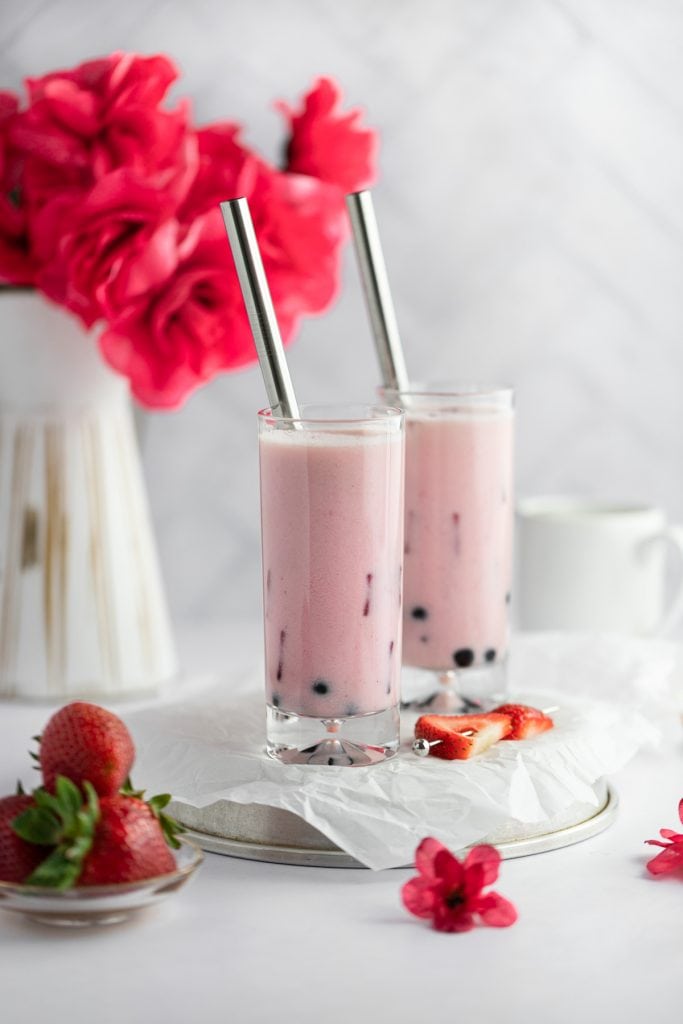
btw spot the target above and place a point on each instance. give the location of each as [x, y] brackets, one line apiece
[531, 204]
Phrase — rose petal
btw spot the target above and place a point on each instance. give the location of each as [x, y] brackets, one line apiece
[449, 870]
[489, 860]
[668, 860]
[680, 811]
[419, 897]
[496, 911]
[425, 856]
[452, 919]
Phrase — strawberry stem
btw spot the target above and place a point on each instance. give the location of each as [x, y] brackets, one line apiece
[65, 821]
[169, 826]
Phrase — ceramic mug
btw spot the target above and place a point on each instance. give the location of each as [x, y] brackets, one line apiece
[585, 564]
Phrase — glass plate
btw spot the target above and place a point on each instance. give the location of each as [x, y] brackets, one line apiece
[99, 904]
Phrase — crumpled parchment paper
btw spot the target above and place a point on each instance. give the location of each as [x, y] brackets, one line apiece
[614, 695]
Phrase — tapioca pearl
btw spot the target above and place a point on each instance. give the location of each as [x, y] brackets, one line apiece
[463, 657]
[424, 639]
[420, 613]
[490, 654]
[350, 710]
[275, 700]
[321, 687]
[391, 647]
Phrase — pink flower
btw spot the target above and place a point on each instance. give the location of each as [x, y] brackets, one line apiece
[18, 264]
[109, 205]
[104, 252]
[104, 114]
[194, 324]
[449, 892]
[671, 857]
[328, 144]
[226, 169]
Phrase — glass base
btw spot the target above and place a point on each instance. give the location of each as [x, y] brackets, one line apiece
[350, 742]
[454, 691]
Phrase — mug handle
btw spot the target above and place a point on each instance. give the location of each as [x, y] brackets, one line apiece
[674, 536]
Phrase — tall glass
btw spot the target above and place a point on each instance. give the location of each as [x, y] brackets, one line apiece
[332, 540]
[459, 513]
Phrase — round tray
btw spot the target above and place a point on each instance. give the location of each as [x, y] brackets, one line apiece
[326, 855]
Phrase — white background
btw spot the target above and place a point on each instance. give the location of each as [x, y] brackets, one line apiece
[531, 204]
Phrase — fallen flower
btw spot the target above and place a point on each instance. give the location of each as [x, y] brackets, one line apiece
[671, 857]
[450, 892]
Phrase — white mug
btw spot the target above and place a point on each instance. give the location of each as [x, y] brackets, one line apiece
[585, 564]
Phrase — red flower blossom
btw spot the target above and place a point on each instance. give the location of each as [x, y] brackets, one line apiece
[109, 204]
[17, 263]
[449, 892]
[194, 325]
[104, 114]
[671, 857]
[106, 251]
[329, 144]
[226, 169]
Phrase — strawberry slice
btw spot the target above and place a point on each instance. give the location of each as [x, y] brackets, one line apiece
[526, 721]
[482, 732]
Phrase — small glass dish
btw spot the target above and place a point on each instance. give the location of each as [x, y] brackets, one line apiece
[99, 904]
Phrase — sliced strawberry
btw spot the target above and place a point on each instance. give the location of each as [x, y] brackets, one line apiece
[482, 732]
[526, 721]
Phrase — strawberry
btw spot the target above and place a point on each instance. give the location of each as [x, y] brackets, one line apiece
[129, 844]
[526, 721]
[95, 841]
[461, 736]
[17, 857]
[86, 742]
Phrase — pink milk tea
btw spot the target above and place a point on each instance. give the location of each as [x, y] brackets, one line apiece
[458, 529]
[332, 528]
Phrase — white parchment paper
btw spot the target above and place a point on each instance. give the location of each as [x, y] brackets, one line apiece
[614, 695]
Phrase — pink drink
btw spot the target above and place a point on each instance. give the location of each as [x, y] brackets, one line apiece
[332, 527]
[458, 529]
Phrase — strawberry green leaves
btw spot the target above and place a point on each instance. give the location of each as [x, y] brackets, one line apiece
[169, 826]
[65, 821]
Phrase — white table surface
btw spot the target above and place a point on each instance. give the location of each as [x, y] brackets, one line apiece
[597, 938]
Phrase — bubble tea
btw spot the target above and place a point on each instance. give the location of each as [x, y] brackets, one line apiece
[458, 535]
[332, 533]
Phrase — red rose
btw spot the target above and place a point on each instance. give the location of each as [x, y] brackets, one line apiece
[109, 204]
[329, 144]
[189, 329]
[226, 169]
[17, 263]
[195, 325]
[83, 123]
[104, 253]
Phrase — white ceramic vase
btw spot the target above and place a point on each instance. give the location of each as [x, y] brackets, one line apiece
[82, 605]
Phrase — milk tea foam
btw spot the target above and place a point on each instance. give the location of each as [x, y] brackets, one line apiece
[458, 537]
[332, 518]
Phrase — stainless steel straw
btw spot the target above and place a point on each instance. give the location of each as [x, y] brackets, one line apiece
[373, 274]
[259, 305]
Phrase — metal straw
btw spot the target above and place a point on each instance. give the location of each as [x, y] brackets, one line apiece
[259, 305]
[373, 274]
